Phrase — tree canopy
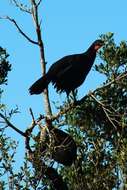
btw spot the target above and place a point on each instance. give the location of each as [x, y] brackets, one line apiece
[82, 146]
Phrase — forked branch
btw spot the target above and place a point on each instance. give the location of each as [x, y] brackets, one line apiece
[11, 125]
[19, 29]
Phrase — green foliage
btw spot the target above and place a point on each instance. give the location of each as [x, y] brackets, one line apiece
[4, 66]
[7, 153]
[101, 126]
[11, 179]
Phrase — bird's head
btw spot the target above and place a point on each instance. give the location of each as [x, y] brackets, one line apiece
[98, 44]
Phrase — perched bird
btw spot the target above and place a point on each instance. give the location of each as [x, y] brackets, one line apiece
[69, 72]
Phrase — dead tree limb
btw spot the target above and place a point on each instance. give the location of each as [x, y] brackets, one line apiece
[42, 56]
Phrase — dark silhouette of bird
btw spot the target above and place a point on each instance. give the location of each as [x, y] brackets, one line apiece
[69, 72]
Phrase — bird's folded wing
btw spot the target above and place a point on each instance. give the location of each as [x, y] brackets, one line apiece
[62, 66]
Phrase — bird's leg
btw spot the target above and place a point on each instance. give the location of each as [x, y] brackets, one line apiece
[68, 99]
[74, 93]
[71, 97]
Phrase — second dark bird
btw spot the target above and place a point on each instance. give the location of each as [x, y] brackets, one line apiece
[69, 72]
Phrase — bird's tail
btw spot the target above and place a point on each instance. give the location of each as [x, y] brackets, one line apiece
[39, 86]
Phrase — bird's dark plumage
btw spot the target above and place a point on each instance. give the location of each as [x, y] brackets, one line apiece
[69, 72]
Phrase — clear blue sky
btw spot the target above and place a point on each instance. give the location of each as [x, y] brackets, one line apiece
[68, 27]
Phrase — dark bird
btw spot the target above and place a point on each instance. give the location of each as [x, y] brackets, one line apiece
[65, 148]
[69, 72]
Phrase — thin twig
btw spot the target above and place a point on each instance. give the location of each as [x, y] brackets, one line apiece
[32, 115]
[19, 29]
[104, 109]
[21, 7]
[33, 124]
[39, 2]
[108, 117]
[99, 102]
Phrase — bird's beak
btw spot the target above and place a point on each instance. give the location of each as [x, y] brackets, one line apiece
[98, 46]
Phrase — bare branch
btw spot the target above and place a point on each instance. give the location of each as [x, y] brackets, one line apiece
[108, 117]
[31, 112]
[121, 76]
[41, 48]
[11, 125]
[99, 102]
[21, 6]
[34, 123]
[19, 29]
